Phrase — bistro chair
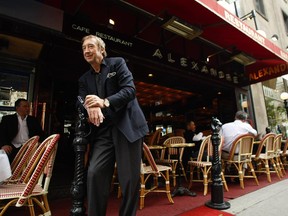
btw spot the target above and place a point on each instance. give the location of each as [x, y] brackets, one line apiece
[264, 162]
[33, 189]
[244, 145]
[203, 164]
[172, 156]
[277, 154]
[153, 170]
[27, 148]
[20, 163]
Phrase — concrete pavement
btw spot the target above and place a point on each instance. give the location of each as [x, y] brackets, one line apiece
[271, 200]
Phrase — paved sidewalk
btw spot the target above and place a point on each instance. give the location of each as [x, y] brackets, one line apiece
[270, 200]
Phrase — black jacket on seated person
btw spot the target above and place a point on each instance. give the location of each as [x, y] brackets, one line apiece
[9, 128]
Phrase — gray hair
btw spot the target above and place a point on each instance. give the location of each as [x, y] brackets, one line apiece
[241, 115]
[99, 42]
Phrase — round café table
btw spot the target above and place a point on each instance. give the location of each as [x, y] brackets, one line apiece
[180, 190]
[5, 169]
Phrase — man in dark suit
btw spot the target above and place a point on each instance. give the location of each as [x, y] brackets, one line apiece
[118, 128]
[16, 129]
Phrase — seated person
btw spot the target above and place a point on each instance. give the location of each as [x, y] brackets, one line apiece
[230, 131]
[191, 135]
[17, 128]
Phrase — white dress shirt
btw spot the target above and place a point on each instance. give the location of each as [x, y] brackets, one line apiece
[230, 131]
[23, 132]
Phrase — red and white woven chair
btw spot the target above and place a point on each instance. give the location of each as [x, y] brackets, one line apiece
[30, 147]
[153, 170]
[32, 189]
[27, 148]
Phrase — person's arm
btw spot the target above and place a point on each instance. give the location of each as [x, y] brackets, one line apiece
[127, 91]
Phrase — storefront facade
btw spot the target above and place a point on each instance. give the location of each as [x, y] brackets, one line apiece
[183, 84]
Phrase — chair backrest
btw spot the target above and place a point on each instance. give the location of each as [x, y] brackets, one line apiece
[150, 159]
[155, 138]
[32, 144]
[205, 146]
[243, 147]
[35, 158]
[266, 142]
[47, 159]
[277, 143]
[21, 152]
[174, 151]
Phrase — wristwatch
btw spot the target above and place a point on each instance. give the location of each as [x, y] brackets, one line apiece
[106, 103]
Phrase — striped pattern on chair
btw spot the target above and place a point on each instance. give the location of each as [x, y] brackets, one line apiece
[33, 191]
[32, 144]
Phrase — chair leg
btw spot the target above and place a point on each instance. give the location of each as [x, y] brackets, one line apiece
[167, 186]
[275, 167]
[253, 172]
[241, 175]
[267, 170]
[142, 191]
[174, 169]
[183, 171]
[224, 181]
[191, 176]
[205, 180]
[31, 207]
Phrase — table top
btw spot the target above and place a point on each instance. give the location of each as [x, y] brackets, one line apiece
[156, 147]
[180, 145]
[5, 169]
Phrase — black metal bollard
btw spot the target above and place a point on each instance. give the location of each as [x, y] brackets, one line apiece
[217, 195]
[78, 187]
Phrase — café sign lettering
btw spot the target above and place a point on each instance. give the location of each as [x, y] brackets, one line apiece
[104, 36]
[160, 55]
[268, 71]
[192, 65]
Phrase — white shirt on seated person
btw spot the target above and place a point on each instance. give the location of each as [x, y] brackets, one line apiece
[230, 131]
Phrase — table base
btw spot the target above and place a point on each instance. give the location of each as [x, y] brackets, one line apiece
[182, 191]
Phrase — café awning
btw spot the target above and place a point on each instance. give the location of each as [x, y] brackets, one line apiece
[224, 29]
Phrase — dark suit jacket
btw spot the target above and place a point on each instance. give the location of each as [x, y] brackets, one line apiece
[9, 128]
[124, 109]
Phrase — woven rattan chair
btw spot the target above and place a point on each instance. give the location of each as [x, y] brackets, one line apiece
[32, 189]
[170, 156]
[153, 170]
[277, 154]
[240, 156]
[265, 162]
[203, 165]
[30, 147]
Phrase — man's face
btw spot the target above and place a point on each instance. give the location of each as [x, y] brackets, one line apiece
[91, 52]
[191, 126]
[23, 108]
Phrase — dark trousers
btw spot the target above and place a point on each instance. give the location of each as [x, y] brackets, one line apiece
[13, 153]
[110, 145]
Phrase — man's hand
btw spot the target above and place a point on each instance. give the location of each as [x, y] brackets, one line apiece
[93, 101]
[96, 116]
[7, 149]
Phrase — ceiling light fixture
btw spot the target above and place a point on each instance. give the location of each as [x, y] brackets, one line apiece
[111, 21]
[243, 59]
[182, 28]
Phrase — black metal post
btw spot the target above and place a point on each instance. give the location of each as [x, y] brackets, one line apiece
[217, 194]
[79, 182]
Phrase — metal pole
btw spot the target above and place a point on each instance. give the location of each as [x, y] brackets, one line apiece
[78, 187]
[217, 196]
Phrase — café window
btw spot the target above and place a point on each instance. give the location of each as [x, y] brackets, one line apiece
[13, 85]
[259, 4]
